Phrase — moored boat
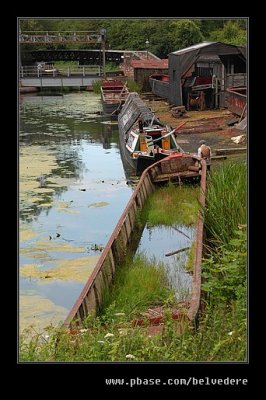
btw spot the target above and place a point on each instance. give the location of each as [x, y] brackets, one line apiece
[113, 95]
[143, 138]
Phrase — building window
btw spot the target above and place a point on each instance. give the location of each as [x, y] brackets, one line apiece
[204, 71]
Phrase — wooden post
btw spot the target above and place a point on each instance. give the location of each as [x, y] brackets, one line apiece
[216, 92]
[103, 33]
[103, 49]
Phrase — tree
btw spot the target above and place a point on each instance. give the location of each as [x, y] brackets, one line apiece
[185, 33]
[232, 33]
[207, 26]
[30, 25]
[164, 35]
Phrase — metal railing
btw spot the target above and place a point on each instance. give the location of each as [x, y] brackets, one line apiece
[34, 71]
[64, 37]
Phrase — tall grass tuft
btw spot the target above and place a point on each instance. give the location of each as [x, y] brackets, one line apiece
[133, 86]
[225, 202]
[139, 284]
[96, 85]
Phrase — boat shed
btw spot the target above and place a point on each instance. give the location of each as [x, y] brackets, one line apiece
[142, 69]
[232, 73]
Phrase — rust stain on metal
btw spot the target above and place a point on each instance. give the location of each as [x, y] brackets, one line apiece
[236, 99]
[196, 282]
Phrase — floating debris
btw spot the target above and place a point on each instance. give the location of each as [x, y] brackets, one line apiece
[100, 204]
[43, 181]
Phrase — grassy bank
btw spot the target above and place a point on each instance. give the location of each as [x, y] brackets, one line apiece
[225, 268]
[215, 340]
[226, 202]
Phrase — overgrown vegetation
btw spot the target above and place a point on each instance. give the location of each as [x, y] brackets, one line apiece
[172, 205]
[133, 86]
[96, 86]
[225, 202]
[225, 270]
[225, 288]
[221, 335]
[139, 284]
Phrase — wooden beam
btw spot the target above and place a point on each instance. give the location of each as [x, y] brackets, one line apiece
[233, 150]
[177, 251]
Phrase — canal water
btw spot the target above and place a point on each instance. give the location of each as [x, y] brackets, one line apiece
[73, 189]
[157, 241]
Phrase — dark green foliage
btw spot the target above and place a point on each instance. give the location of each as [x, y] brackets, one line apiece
[164, 35]
[233, 32]
[225, 270]
[186, 33]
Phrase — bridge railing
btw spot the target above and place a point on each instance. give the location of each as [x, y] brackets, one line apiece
[42, 37]
[50, 71]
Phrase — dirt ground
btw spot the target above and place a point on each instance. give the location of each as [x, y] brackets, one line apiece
[218, 135]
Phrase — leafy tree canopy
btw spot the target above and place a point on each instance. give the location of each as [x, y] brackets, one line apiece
[231, 33]
[164, 35]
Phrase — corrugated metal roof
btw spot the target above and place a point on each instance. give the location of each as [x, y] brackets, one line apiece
[149, 64]
[194, 47]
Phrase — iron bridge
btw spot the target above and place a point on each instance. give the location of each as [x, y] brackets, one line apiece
[84, 57]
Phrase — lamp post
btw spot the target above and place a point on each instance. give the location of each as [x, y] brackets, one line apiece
[103, 33]
[147, 47]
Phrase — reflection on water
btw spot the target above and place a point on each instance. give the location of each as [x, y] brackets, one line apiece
[72, 192]
[170, 240]
[73, 189]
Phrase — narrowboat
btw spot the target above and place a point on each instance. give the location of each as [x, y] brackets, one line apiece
[113, 95]
[143, 138]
